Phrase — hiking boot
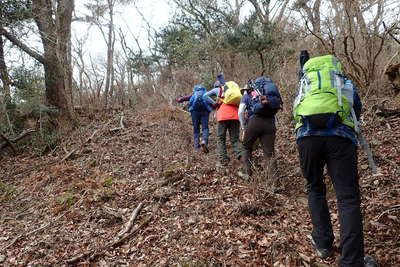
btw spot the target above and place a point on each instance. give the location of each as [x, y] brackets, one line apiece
[204, 146]
[322, 253]
[243, 175]
[244, 169]
[221, 163]
[370, 262]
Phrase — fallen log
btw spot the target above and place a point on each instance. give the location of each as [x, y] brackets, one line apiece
[12, 141]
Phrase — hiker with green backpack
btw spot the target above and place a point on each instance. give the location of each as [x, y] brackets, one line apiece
[200, 109]
[326, 111]
[227, 98]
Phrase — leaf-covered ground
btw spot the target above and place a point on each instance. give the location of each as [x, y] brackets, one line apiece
[67, 208]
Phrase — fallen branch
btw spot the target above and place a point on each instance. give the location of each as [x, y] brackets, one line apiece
[131, 220]
[113, 212]
[386, 113]
[9, 142]
[97, 252]
[121, 123]
[171, 180]
[43, 227]
[396, 207]
[213, 198]
[91, 137]
[81, 145]
[70, 154]
[17, 216]
[115, 129]
[24, 171]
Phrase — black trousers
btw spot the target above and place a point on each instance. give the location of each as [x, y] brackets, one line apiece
[263, 128]
[340, 156]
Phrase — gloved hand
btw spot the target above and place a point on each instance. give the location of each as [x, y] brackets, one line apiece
[264, 99]
[216, 105]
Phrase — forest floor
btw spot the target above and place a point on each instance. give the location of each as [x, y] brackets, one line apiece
[72, 205]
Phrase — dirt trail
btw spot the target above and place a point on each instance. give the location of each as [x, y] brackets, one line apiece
[53, 210]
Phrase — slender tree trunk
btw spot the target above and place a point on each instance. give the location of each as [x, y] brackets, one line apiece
[261, 56]
[108, 91]
[5, 78]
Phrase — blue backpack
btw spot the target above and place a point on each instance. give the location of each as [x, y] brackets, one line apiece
[265, 87]
[197, 101]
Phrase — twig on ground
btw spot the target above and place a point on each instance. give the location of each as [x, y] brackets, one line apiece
[97, 252]
[112, 212]
[17, 216]
[82, 144]
[121, 122]
[69, 154]
[43, 227]
[131, 220]
[121, 127]
[91, 137]
[24, 171]
[214, 198]
[395, 207]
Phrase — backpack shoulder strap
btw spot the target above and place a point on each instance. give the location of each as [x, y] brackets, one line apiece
[220, 92]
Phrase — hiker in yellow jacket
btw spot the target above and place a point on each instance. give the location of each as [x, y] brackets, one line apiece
[227, 118]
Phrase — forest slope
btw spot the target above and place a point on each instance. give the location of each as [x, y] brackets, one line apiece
[77, 199]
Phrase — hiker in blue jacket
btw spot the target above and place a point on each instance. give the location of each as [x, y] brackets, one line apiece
[200, 109]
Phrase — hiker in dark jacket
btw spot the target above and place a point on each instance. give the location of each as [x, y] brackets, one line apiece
[333, 145]
[200, 109]
[260, 103]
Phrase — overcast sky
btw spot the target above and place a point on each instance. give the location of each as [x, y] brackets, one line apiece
[157, 13]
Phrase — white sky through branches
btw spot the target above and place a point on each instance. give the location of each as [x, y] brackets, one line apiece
[156, 13]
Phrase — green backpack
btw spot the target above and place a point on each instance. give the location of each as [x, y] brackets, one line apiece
[325, 96]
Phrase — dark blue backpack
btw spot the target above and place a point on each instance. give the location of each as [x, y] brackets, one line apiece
[265, 87]
[197, 101]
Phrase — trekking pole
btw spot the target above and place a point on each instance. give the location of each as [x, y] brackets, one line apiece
[363, 143]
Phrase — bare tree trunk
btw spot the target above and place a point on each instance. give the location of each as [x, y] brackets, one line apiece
[64, 20]
[108, 90]
[55, 39]
[5, 78]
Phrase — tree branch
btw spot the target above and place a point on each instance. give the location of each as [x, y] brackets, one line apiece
[389, 31]
[22, 46]
[8, 142]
